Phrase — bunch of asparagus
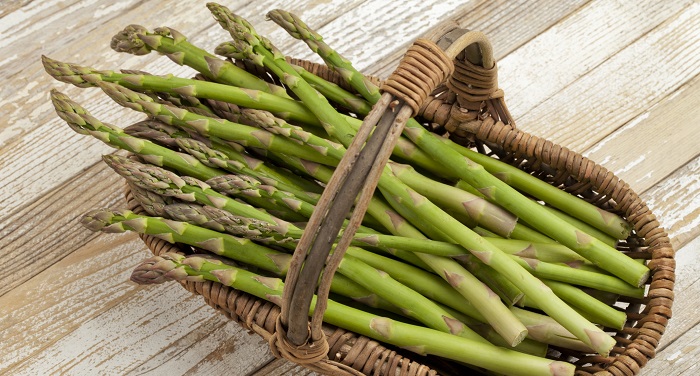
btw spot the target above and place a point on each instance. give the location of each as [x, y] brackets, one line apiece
[457, 256]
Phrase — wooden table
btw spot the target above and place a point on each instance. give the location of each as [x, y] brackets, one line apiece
[617, 80]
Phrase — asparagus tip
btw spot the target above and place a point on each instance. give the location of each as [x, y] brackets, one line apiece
[159, 269]
[129, 40]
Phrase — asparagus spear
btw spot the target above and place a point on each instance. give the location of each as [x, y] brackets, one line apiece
[88, 77]
[260, 50]
[187, 102]
[238, 249]
[189, 189]
[593, 308]
[328, 89]
[580, 277]
[224, 129]
[80, 120]
[299, 30]
[153, 203]
[218, 153]
[413, 338]
[476, 210]
[137, 40]
[583, 226]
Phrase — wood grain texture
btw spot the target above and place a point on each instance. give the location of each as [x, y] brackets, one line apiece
[622, 87]
[48, 229]
[570, 49]
[665, 128]
[508, 25]
[676, 203]
[83, 316]
[605, 77]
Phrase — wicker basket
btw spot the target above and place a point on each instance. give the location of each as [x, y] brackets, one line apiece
[469, 108]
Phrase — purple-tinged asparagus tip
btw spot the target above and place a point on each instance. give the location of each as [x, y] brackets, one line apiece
[128, 41]
[159, 269]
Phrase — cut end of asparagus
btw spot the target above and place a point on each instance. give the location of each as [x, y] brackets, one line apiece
[600, 341]
[129, 41]
[558, 368]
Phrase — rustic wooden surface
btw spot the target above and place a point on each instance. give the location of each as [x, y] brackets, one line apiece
[616, 80]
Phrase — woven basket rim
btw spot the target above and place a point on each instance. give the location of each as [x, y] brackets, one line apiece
[633, 352]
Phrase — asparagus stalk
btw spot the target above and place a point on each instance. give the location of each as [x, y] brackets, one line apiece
[461, 204]
[260, 50]
[206, 126]
[266, 175]
[238, 249]
[80, 120]
[414, 338]
[328, 89]
[239, 226]
[593, 308]
[528, 346]
[583, 226]
[561, 273]
[605, 221]
[166, 183]
[299, 30]
[88, 77]
[137, 40]
[247, 186]
[218, 153]
[411, 303]
[162, 134]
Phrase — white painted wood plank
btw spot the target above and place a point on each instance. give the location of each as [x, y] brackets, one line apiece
[38, 235]
[83, 317]
[567, 51]
[651, 146]
[676, 203]
[507, 24]
[622, 87]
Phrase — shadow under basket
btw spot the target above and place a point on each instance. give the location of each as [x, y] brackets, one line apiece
[469, 109]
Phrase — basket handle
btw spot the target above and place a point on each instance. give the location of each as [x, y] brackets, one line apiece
[424, 66]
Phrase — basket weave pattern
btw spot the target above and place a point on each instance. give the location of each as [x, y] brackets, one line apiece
[480, 119]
